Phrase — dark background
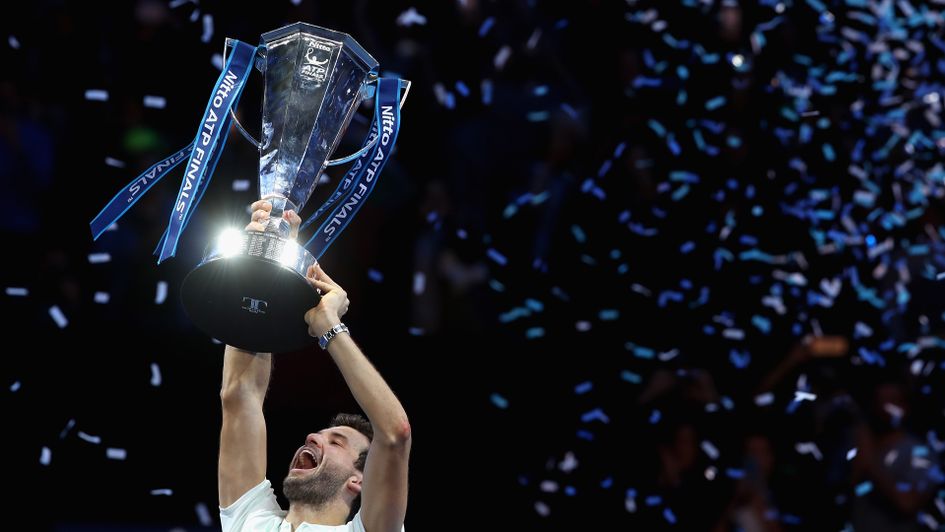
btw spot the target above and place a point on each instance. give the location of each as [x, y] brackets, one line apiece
[571, 265]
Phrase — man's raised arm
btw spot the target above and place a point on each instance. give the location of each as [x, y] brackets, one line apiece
[384, 485]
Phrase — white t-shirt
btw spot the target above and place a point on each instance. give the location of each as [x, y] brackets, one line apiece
[259, 511]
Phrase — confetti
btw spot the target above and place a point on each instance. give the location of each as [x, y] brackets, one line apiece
[155, 102]
[96, 95]
[411, 17]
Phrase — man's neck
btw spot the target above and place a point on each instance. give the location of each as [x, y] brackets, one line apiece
[334, 513]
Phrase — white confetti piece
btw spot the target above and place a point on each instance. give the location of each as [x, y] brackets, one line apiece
[542, 509]
[410, 17]
[419, 282]
[533, 39]
[101, 297]
[160, 294]
[13, 42]
[15, 386]
[583, 326]
[155, 102]
[162, 491]
[45, 456]
[203, 514]
[99, 258]
[217, 61]
[114, 453]
[240, 185]
[56, 313]
[851, 454]
[804, 396]
[207, 28]
[548, 486]
[89, 438]
[96, 95]
[710, 450]
[17, 291]
[111, 161]
[155, 375]
[764, 399]
[808, 448]
[502, 57]
[569, 464]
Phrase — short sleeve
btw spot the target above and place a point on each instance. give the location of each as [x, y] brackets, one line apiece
[356, 525]
[261, 497]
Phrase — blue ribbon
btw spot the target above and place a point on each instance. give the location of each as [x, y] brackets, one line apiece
[349, 178]
[202, 156]
[133, 191]
[211, 136]
[387, 125]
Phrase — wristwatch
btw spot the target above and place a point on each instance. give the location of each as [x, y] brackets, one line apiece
[325, 338]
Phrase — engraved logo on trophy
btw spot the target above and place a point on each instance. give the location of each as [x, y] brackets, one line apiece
[255, 306]
[315, 65]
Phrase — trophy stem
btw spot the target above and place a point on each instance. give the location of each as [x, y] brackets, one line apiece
[278, 225]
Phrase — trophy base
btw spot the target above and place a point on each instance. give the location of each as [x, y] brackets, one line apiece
[250, 291]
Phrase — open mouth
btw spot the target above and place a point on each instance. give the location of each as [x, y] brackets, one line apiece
[306, 460]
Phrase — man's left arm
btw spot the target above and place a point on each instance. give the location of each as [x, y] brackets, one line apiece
[384, 486]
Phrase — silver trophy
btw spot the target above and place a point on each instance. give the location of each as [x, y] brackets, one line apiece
[249, 290]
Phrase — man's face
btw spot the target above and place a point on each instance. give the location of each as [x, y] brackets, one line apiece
[321, 468]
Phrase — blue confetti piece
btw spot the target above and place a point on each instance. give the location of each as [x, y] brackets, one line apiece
[583, 388]
[655, 417]
[755, 254]
[585, 435]
[641, 81]
[680, 193]
[608, 314]
[829, 153]
[683, 176]
[673, 145]
[735, 473]
[537, 116]
[715, 103]
[595, 415]
[499, 401]
[762, 323]
[657, 127]
[570, 491]
[486, 26]
[669, 516]
[534, 332]
[534, 304]
[653, 500]
[579, 234]
[686, 247]
[739, 359]
[669, 295]
[375, 275]
[631, 377]
[462, 89]
[540, 90]
[497, 257]
[496, 285]
[607, 483]
[604, 168]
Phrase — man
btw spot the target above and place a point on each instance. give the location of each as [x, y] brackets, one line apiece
[354, 460]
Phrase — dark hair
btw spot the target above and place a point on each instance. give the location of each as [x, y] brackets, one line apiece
[362, 425]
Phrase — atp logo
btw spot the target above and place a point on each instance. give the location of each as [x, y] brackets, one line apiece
[315, 64]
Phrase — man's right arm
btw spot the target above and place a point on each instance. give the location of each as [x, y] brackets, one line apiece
[242, 462]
